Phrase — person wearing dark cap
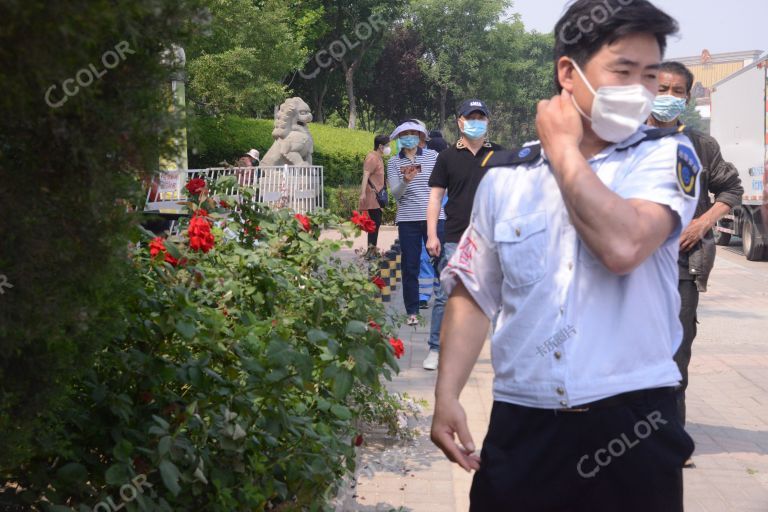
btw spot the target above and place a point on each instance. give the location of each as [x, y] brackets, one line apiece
[436, 141]
[458, 171]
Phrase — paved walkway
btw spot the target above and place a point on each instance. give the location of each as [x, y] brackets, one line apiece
[727, 410]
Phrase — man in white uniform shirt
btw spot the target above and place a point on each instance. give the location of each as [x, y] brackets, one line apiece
[575, 241]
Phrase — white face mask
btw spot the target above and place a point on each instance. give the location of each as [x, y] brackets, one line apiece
[387, 150]
[617, 111]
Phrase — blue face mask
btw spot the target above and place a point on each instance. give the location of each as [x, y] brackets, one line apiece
[409, 141]
[475, 128]
[667, 108]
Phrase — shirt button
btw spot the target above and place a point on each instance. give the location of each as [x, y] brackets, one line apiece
[560, 391]
[517, 231]
[558, 355]
[570, 265]
[562, 309]
[563, 403]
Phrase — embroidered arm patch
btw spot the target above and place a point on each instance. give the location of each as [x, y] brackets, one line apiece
[687, 169]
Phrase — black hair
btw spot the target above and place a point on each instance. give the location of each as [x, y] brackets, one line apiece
[380, 140]
[588, 25]
[678, 68]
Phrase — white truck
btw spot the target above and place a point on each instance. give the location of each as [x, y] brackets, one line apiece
[740, 124]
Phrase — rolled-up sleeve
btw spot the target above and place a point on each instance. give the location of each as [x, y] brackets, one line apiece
[476, 261]
[724, 181]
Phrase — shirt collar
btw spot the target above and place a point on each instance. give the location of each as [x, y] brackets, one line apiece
[460, 144]
[419, 151]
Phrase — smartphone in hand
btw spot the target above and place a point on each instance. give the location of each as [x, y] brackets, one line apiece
[411, 168]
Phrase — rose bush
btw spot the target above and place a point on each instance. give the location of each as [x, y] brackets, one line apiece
[231, 385]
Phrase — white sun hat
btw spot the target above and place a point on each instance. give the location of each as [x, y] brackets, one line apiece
[408, 125]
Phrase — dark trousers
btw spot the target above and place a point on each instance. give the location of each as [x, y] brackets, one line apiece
[689, 301]
[375, 215]
[412, 236]
[625, 457]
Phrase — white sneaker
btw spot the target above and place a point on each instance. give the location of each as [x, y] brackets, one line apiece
[430, 363]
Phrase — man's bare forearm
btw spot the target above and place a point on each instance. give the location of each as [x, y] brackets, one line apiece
[716, 213]
[614, 228]
[461, 338]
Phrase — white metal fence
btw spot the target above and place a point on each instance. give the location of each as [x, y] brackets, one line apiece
[299, 188]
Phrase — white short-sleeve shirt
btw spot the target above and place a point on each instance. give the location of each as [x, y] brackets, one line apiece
[570, 331]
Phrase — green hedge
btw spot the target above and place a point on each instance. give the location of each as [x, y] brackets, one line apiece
[340, 151]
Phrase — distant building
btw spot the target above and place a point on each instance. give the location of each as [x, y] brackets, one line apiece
[708, 69]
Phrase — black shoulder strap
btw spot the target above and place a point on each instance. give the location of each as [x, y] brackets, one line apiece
[656, 134]
[511, 158]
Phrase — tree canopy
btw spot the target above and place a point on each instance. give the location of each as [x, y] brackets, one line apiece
[369, 64]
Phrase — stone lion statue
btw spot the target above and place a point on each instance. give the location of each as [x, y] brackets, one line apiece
[293, 143]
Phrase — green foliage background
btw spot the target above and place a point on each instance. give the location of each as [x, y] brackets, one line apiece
[67, 176]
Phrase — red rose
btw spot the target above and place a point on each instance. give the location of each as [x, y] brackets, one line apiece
[379, 282]
[397, 345]
[200, 236]
[195, 186]
[358, 440]
[223, 204]
[363, 221]
[157, 246]
[374, 325]
[304, 221]
[200, 213]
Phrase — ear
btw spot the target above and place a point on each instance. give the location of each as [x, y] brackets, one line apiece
[565, 73]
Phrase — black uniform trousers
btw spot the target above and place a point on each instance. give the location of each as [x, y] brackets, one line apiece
[689, 301]
[626, 457]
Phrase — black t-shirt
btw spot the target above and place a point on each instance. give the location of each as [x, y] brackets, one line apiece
[459, 172]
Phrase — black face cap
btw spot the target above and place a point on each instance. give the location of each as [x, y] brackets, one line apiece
[473, 105]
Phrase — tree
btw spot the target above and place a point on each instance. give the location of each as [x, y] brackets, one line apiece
[352, 29]
[517, 74]
[399, 88]
[83, 110]
[692, 118]
[239, 66]
[455, 37]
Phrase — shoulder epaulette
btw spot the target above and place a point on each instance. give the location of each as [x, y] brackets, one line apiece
[656, 134]
[512, 158]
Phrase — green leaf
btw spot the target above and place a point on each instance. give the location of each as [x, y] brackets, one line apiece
[172, 249]
[122, 450]
[315, 335]
[164, 446]
[355, 327]
[72, 473]
[342, 384]
[170, 475]
[160, 421]
[117, 474]
[186, 329]
[341, 412]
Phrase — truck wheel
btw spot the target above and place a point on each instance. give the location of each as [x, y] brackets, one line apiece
[721, 238]
[752, 250]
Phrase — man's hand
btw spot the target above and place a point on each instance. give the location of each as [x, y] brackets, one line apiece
[558, 124]
[433, 246]
[694, 232]
[450, 419]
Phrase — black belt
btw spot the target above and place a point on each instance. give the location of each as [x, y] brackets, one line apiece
[622, 399]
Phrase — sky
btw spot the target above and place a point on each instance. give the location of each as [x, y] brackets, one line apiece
[717, 25]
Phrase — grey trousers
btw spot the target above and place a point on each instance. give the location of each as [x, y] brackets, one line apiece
[689, 301]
